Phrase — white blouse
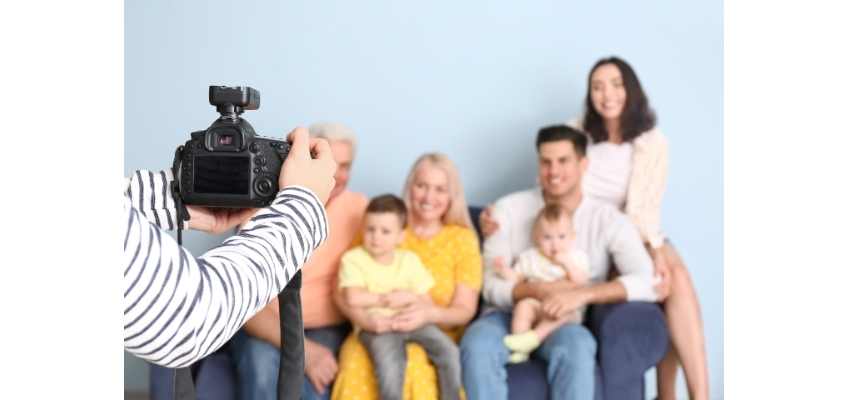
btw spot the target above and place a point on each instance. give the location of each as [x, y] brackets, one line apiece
[608, 175]
[646, 183]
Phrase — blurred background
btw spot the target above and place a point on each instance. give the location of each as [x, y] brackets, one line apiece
[474, 80]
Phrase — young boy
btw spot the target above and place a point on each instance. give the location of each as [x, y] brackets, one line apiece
[377, 275]
[553, 257]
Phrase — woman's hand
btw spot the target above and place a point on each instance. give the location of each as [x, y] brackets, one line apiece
[662, 275]
[415, 315]
[399, 299]
[217, 220]
[375, 323]
[488, 224]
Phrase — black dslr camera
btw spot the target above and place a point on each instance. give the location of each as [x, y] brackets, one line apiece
[228, 165]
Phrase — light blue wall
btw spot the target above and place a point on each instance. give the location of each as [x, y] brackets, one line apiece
[471, 79]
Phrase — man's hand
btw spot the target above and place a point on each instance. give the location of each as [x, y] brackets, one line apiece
[541, 290]
[321, 366]
[558, 305]
[399, 299]
[310, 164]
[217, 220]
[488, 225]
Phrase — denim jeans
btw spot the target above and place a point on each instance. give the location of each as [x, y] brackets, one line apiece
[258, 363]
[388, 353]
[569, 352]
[213, 379]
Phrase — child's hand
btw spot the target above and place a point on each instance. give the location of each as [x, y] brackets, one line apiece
[562, 258]
[575, 272]
[400, 299]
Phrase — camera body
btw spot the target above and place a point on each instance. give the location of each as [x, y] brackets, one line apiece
[227, 164]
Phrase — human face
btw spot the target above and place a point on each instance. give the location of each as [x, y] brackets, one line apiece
[382, 234]
[343, 155]
[560, 168]
[554, 237]
[430, 196]
[607, 92]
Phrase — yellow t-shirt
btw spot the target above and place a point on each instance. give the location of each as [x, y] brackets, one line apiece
[405, 272]
[453, 258]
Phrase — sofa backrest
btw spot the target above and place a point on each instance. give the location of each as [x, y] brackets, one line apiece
[475, 219]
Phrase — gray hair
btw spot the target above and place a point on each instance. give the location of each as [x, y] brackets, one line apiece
[333, 131]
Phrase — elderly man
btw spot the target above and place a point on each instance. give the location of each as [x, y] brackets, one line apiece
[256, 348]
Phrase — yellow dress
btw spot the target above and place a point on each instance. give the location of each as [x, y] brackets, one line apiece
[452, 256]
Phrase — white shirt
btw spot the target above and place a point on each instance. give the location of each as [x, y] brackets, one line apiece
[608, 175]
[602, 231]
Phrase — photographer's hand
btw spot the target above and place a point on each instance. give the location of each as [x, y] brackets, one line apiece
[302, 169]
[217, 220]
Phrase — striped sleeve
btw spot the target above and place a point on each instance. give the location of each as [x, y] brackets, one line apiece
[178, 308]
[150, 193]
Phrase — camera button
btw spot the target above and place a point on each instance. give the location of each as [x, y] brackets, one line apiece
[260, 161]
[257, 170]
[254, 148]
[264, 186]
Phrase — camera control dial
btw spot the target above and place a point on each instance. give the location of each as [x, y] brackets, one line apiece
[264, 186]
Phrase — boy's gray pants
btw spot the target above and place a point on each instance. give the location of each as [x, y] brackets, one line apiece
[388, 353]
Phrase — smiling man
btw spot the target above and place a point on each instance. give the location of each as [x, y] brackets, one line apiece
[603, 231]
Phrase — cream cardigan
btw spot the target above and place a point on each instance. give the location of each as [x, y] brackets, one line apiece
[647, 183]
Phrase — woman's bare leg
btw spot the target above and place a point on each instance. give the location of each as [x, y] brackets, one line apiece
[667, 375]
[686, 328]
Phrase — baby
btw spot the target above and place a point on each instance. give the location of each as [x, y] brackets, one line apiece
[380, 278]
[553, 257]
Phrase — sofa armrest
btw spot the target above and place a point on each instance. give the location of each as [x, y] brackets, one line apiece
[632, 337]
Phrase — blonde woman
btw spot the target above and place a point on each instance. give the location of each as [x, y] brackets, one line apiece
[441, 234]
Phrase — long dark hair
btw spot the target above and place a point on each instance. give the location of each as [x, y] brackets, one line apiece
[637, 116]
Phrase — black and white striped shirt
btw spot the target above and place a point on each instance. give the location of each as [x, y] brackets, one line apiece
[178, 308]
